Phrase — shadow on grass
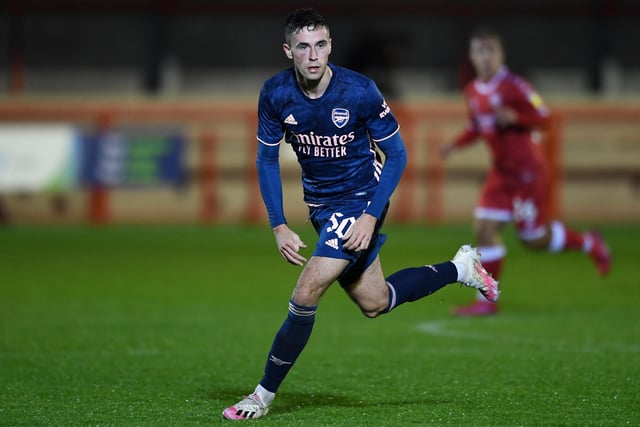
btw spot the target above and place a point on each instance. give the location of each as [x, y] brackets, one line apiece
[288, 402]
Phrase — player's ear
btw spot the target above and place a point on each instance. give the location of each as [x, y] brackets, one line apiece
[287, 51]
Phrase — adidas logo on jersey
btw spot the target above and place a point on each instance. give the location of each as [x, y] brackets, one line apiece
[332, 243]
[290, 120]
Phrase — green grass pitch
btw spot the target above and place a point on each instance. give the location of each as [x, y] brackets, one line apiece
[168, 325]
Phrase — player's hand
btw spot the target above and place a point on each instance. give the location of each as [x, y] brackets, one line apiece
[505, 116]
[289, 243]
[445, 150]
[358, 237]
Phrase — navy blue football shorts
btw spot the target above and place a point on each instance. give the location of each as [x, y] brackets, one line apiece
[332, 223]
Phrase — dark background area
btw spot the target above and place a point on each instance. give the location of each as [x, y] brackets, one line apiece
[140, 35]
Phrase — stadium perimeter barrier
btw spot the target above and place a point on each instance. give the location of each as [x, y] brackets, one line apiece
[593, 150]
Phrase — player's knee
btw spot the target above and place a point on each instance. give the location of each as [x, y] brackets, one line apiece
[536, 239]
[372, 314]
[536, 244]
[306, 297]
[532, 244]
[371, 297]
[373, 309]
[487, 233]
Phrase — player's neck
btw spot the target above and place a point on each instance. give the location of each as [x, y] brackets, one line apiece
[492, 74]
[315, 88]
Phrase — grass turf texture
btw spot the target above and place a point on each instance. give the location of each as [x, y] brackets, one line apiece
[167, 326]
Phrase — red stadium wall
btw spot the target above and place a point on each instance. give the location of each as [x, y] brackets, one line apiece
[594, 150]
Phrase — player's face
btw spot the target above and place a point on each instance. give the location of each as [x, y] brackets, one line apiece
[486, 56]
[310, 51]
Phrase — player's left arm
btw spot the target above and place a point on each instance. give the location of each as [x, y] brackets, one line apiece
[384, 131]
[359, 234]
[527, 108]
[394, 164]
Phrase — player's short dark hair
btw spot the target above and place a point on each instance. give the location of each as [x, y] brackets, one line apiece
[303, 18]
[485, 33]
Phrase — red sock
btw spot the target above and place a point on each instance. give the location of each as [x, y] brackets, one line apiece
[564, 239]
[493, 267]
[575, 240]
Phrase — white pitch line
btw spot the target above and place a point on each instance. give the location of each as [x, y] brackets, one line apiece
[444, 329]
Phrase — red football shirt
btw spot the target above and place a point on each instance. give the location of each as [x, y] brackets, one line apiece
[513, 149]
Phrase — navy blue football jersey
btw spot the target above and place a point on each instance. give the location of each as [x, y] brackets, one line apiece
[333, 136]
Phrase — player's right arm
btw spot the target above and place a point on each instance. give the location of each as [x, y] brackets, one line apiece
[288, 242]
[468, 136]
[270, 132]
[268, 165]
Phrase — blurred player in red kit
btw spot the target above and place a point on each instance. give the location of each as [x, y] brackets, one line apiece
[505, 110]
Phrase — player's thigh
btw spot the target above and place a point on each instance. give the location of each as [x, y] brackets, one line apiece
[316, 277]
[370, 291]
[532, 224]
[496, 194]
[530, 214]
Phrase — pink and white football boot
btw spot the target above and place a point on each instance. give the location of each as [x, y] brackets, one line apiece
[249, 408]
[477, 277]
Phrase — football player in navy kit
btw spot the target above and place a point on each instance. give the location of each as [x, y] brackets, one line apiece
[335, 120]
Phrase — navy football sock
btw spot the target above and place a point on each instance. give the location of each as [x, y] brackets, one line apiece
[288, 344]
[414, 283]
